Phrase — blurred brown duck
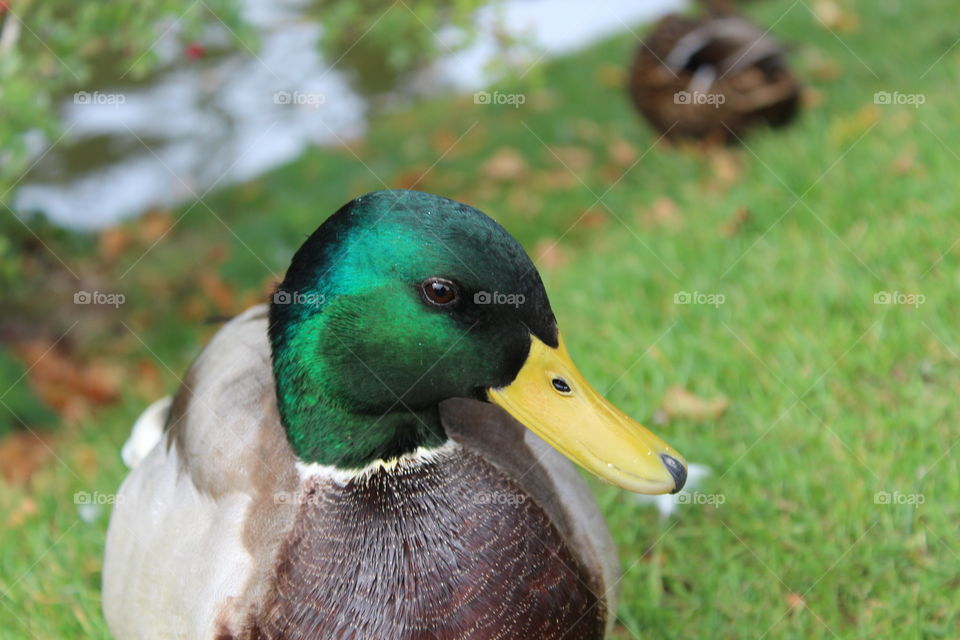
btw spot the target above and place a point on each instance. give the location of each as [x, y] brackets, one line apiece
[713, 77]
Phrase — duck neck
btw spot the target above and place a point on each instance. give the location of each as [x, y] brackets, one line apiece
[322, 428]
[322, 433]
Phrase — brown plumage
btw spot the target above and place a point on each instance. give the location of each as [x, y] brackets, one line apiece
[450, 567]
[712, 78]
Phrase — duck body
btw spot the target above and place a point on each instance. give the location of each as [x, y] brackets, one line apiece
[494, 535]
[382, 453]
[712, 78]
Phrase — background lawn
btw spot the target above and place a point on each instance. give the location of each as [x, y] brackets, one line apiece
[843, 410]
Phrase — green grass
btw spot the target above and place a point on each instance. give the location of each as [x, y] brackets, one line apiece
[833, 398]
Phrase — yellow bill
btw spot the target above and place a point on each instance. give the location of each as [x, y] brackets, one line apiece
[552, 399]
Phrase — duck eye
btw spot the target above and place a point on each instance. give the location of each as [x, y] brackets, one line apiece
[561, 385]
[440, 291]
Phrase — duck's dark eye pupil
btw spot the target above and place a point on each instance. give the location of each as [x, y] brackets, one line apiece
[561, 385]
[440, 291]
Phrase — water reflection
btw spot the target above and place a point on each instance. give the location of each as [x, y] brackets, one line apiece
[227, 118]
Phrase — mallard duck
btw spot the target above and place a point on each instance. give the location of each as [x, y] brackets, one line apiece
[380, 453]
[713, 77]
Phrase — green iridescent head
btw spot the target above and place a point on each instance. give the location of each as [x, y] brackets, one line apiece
[397, 302]
[402, 300]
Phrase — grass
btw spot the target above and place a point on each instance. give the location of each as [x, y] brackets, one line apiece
[833, 398]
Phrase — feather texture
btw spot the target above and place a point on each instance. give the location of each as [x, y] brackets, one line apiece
[498, 537]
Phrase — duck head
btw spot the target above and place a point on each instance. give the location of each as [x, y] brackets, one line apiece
[402, 300]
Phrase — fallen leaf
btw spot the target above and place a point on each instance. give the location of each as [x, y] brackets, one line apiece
[506, 164]
[593, 219]
[21, 454]
[726, 166]
[217, 291]
[217, 254]
[735, 222]
[64, 383]
[154, 226]
[26, 508]
[548, 253]
[678, 403]
[575, 159]
[622, 152]
[147, 380]
[664, 212]
[726, 170]
[812, 98]
[443, 142]
[194, 308]
[409, 178]
[827, 11]
[84, 458]
[113, 242]
[836, 17]
[905, 161]
[795, 601]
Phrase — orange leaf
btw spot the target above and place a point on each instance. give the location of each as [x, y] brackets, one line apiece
[549, 254]
[154, 226]
[664, 212]
[65, 383]
[678, 403]
[217, 291]
[735, 222]
[113, 242]
[622, 152]
[795, 601]
[21, 454]
[506, 164]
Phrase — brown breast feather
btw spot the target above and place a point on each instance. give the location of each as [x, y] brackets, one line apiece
[450, 548]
